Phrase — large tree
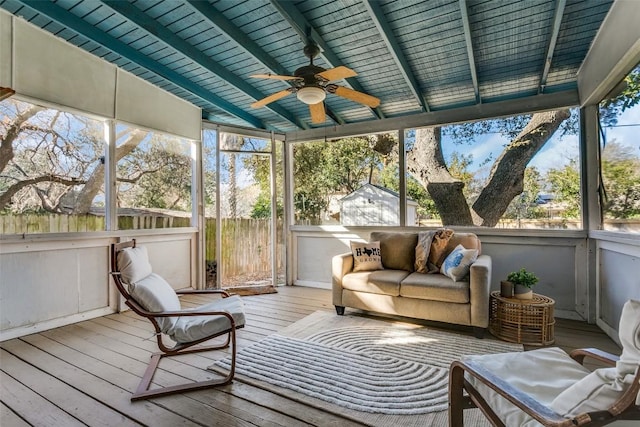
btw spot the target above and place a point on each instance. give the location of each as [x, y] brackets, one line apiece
[426, 163]
[52, 161]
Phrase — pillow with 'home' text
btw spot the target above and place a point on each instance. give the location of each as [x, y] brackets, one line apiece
[366, 256]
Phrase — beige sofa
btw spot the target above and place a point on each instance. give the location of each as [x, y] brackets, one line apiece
[399, 290]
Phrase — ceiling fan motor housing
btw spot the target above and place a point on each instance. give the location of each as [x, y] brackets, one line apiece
[309, 74]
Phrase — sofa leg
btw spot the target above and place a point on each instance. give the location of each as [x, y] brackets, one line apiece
[479, 332]
[339, 310]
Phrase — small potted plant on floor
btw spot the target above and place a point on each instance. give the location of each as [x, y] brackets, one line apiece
[522, 281]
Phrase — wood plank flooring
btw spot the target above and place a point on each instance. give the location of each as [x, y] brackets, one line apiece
[84, 374]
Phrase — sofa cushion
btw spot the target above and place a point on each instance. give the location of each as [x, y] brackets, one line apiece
[468, 240]
[434, 287]
[397, 249]
[366, 256]
[385, 282]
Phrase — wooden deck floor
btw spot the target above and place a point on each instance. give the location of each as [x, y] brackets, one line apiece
[83, 374]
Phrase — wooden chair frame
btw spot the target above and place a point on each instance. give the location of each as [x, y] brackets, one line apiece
[143, 390]
[623, 409]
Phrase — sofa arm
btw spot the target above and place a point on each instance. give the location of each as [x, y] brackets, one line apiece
[340, 266]
[479, 291]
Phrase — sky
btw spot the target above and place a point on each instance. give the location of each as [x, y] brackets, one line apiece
[556, 153]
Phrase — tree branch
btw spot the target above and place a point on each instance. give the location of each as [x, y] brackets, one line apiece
[5, 198]
[506, 180]
[425, 162]
[6, 144]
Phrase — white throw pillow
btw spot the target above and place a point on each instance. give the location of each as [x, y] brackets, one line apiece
[134, 264]
[601, 388]
[456, 265]
[366, 256]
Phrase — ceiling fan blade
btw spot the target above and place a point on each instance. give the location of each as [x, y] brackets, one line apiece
[271, 98]
[317, 112]
[275, 77]
[354, 95]
[337, 73]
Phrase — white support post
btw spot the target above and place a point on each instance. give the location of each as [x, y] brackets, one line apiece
[109, 161]
[274, 213]
[591, 209]
[197, 210]
[218, 211]
[402, 156]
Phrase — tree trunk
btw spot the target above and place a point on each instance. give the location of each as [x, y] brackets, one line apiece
[506, 180]
[96, 180]
[6, 145]
[425, 162]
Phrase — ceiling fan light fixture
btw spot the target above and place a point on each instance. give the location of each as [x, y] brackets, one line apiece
[311, 95]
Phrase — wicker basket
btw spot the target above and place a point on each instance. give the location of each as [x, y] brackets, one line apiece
[522, 321]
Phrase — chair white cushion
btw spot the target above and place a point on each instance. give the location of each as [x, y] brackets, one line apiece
[134, 264]
[543, 374]
[192, 328]
[154, 294]
[601, 388]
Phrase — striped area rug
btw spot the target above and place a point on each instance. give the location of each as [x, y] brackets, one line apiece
[369, 366]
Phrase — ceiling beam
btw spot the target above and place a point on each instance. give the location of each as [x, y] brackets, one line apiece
[244, 42]
[467, 39]
[557, 20]
[71, 21]
[531, 104]
[386, 32]
[160, 32]
[307, 33]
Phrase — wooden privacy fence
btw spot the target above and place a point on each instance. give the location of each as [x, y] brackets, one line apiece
[246, 243]
[59, 223]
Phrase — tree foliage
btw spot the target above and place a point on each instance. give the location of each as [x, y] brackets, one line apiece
[621, 176]
[52, 161]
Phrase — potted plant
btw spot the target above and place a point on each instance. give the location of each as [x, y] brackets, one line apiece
[522, 281]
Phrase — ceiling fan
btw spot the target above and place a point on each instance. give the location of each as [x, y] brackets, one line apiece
[312, 83]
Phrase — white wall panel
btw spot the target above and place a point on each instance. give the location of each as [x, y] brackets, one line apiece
[48, 283]
[171, 260]
[618, 281]
[50, 69]
[139, 102]
[6, 38]
[93, 278]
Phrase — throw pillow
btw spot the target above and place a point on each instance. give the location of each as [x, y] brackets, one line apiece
[438, 250]
[456, 265]
[366, 256]
[422, 250]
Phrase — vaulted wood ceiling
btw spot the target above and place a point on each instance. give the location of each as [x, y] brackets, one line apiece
[414, 55]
